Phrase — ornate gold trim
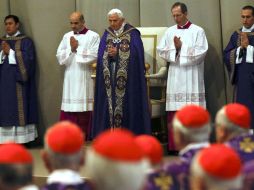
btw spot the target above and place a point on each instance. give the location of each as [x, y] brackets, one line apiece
[21, 113]
[116, 110]
[12, 38]
[122, 34]
[21, 64]
[232, 63]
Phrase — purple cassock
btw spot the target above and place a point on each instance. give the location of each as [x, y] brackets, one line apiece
[248, 175]
[244, 146]
[174, 175]
[18, 102]
[121, 92]
[59, 186]
[241, 75]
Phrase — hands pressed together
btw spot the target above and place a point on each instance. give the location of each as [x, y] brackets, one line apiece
[5, 47]
[112, 51]
[244, 40]
[74, 44]
[178, 43]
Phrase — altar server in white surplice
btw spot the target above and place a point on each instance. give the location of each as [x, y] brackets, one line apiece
[77, 50]
[184, 47]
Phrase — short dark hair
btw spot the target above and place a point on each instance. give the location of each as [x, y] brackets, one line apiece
[14, 17]
[249, 7]
[82, 18]
[182, 5]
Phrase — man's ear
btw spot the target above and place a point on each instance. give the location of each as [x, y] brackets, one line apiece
[17, 25]
[83, 159]
[221, 134]
[197, 183]
[46, 160]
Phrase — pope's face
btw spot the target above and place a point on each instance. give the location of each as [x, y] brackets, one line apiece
[115, 22]
[247, 18]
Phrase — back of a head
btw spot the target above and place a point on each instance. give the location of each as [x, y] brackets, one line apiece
[193, 124]
[151, 147]
[16, 166]
[63, 146]
[234, 119]
[115, 161]
[216, 167]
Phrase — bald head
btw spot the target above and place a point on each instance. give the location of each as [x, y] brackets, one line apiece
[77, 21]
[77, 15]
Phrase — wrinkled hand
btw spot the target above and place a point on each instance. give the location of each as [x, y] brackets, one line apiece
[244, 40]
[112, 51]
[5, 47]
[73, 44]
[177, 42]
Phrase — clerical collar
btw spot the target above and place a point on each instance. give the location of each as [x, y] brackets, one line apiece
[185, 26]
[14, 35]
[120, 30]
[248, 29]
[83, 31]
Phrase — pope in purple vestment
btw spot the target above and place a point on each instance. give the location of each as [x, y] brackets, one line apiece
[121, 93]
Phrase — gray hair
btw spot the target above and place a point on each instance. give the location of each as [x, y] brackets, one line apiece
[211, 182]
[192, 135]
[60, 161]
[222, 120]
[116, 11]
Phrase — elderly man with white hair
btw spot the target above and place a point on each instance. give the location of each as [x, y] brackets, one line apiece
[217, 167]
[116, 161]
[191, 126]
[233, 123]
[63, 156]
[121, 92]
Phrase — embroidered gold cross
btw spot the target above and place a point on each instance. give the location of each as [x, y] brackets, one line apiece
[247, 145]
[163, 181]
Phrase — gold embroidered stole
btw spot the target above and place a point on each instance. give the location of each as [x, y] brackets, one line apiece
[118, 91]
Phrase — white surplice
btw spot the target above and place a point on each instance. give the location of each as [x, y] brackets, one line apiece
[185, 83]
[78, 87]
